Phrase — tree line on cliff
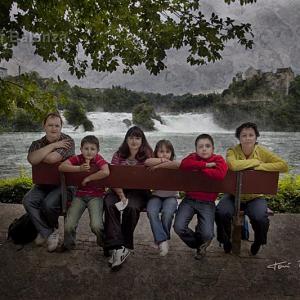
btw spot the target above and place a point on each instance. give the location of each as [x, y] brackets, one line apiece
[249, 99]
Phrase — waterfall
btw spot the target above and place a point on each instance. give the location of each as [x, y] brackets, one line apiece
[106, 123]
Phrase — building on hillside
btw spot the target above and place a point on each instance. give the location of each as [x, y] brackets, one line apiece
[280, 80]
[251, 72]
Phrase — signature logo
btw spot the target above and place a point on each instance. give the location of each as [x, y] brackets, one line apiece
[282, 265]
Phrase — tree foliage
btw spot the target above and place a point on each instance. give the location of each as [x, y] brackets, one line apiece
[23, 93]
[107, 35]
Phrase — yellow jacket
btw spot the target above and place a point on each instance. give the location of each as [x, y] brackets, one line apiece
[261, 159]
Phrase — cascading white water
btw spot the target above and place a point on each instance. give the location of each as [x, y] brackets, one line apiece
[112, 123]
[188, 123]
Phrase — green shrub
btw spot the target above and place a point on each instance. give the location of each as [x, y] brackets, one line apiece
[12, 190]
[287, 199]
[142, 115]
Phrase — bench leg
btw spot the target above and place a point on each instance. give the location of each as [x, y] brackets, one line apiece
[236, 234]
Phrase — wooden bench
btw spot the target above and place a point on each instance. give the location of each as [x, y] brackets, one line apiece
[138, 177]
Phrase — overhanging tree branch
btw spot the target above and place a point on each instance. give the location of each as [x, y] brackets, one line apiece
[121, 34]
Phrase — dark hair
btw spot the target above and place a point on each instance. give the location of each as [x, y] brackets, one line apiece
[246, 125]
[91, 139]
[168, 145]
[204, 136]
[53, 115]
[145, 151]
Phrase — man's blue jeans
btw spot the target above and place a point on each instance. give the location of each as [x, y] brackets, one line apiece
[204, 230]
[44, 208]
[161, 226]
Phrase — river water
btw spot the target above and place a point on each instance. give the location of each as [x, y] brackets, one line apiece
[181, 130]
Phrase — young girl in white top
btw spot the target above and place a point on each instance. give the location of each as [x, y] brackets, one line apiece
[164, 202]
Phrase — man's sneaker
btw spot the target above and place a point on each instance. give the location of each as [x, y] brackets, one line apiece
[227, 246]
[255, 248]
[163, 248]
[119, 257]
[201, 251]
[39, 240]
[52, 241]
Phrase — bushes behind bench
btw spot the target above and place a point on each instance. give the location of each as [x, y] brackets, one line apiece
[12, 190]
[287, 200]
[288, 196]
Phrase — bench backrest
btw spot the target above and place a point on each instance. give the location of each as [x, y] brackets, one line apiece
[139, 177]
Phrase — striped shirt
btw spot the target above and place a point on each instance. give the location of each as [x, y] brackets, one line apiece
[65, 153]
[118, 160]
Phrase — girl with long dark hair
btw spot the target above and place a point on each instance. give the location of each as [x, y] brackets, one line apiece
[119, 233]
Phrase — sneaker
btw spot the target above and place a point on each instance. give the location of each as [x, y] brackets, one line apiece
[227, 246]
[163, 248]
[201, 251]
[119, 257]
[255, 248]
[39, 240]
[52, 241]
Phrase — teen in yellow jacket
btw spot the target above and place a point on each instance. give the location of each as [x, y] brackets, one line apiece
[247, 155]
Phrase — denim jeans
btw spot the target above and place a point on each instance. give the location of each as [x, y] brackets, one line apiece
[74, 213]
[255, 209]
[43, 207]
[204, 230]
[161, 226]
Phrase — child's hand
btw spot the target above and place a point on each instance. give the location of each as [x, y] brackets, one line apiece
[85, 181]
[163, 160]
[210, 165]
[152, 168]
[85, 167]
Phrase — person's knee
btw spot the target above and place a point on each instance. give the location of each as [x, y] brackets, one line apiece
[179, 227]
[46, 207]
[28, 199]
[167, 215]
[260, 218]
[109, 202]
